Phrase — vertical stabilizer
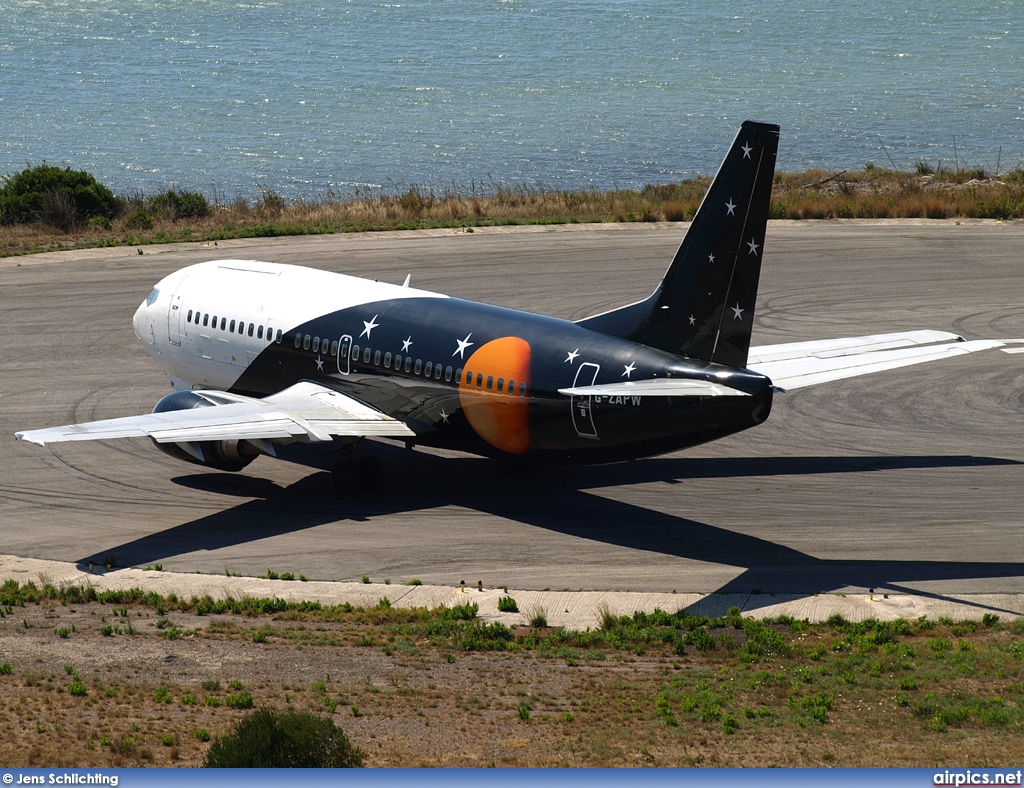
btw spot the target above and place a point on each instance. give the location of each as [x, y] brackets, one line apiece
[704, 307]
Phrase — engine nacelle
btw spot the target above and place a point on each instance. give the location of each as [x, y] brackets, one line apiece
[222, 455]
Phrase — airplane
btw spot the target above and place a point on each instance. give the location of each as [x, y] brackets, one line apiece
[265, 358]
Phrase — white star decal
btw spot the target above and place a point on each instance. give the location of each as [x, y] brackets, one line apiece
[737, 312]
[711, 259]
[572, 356]
[629, 369]
[730, 208]
[462, 345]
[693, 320]
[319, 364]
[752, 245]
[406, 343]
[444, 416]
[368, 326]
[746, 151]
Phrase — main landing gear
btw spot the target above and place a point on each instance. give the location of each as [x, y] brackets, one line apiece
[354, 475]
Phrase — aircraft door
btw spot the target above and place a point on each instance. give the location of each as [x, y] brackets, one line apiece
[174, 318]
[582, 407]
[344, 351]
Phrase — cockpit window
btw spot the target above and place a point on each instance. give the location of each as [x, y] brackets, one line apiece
[154, 294]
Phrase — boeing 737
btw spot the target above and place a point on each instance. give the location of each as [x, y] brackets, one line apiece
[263, 357]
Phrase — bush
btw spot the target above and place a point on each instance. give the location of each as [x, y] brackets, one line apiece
[180, 205]
[61, 197]
[507, 604]
[266, 739]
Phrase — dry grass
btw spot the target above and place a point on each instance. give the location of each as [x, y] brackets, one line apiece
[789, 694]
[873, 193]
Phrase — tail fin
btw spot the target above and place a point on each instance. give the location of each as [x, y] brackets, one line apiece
[704, 307]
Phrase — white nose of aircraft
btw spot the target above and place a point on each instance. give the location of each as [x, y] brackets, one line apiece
[142, 322]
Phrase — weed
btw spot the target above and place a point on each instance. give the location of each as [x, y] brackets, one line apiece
[242, 700]
[202, 734]
[162, 695]
[78, 689]
[507, 604]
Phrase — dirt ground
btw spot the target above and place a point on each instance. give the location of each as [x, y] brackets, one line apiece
[155, 690]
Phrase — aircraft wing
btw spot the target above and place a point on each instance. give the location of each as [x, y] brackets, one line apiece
[306, 411]
[798, 364]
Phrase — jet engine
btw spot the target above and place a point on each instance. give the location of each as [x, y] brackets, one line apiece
[231, 455]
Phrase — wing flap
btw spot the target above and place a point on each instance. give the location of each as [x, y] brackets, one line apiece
[306, 411]
[808, 371]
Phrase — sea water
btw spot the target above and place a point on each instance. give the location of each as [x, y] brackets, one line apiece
[309, 97]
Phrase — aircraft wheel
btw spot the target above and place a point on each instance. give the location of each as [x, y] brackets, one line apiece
[343, 477]
[371, 474]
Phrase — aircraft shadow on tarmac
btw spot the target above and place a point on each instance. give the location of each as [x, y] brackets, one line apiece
[557, 500]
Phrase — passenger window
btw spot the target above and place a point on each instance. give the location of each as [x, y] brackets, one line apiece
[278, 340]
[501, 385]
[224, 323]
[298, 340]
[437, 372]
[490, 382]
[376, 359]
[334, 348]
[366, 356]
[469, 378]
[448, 374]
[251, 328]
[398, 362]
[429, 369]
[232, 328]
[316, 344]
[344, 351]
[479, 380]
[408, 363]
[419, 365]
[305, 342]
[259, 333]
[522, 389]
[387, 361]
[458, 375]
[206, 319]
[512, 387]
[355, 352]
[189, 318]
[213, 322]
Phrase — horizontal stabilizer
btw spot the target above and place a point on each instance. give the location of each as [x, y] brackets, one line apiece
[797, 371]
[305, 411]
[657, 387]
[845, 346]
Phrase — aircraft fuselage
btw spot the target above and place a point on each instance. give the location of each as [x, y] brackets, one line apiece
[463, 375]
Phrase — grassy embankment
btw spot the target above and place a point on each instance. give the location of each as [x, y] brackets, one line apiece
[871, 193]
[130, 678]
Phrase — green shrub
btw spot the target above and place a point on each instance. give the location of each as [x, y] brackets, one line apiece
[6, 669]
[78, 689]
[139, 220]
[180, 205]
[61, 197]
[243, 700]
[266, 739]
[507, 604]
